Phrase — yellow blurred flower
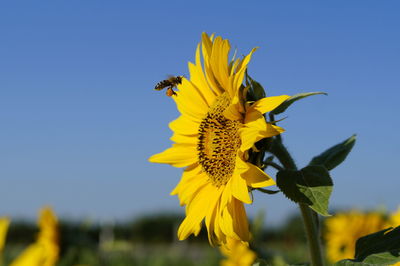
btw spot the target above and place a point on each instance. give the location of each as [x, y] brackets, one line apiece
[212, 137]
[394, 219]
[238, 253]
[344, 229]
[45, 251]
[4, 224]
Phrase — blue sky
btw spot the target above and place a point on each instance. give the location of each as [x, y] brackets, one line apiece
[79, 116]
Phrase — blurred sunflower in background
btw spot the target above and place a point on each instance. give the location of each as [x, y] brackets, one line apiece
[45, 251]
[394, 219]
[237, 253]
[212, 136]
[4, 224]
[344, 229]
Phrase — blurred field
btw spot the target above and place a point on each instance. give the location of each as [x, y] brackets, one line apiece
[151, 240]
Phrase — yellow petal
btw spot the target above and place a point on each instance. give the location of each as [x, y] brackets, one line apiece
[189, 190]
[189, 226]
[239, 189]
[226, 196]
[246, 60]
[202, 199]
[210, 217]
[224, 58]
[179, 155]
[198, 79]
[241, 69]
[235, 222]
[197, 210]
[207, 46]
[257, 130]
[184, 126]
[264, 105]
[189, 101]
[210, 225]
[241, 225]
[216, 68]
[184, 139]
[226, 223]
[221, 52]
[255, 177]
[232, 112]
[214, 63]
[217, 226]
[234, 66]
[189, 173]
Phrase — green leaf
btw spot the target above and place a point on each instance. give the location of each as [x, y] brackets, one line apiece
[286, 180]
[382, 241]
[384, 258]
[316, 184]
[281, 108]
[311, 185]
[380, 248]
[335, 155]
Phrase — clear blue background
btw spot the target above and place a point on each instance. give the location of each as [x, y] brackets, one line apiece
[79, 116]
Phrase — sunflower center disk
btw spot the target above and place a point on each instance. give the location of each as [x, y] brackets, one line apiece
[219, 141]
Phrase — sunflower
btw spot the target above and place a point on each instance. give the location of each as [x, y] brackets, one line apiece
[212, 137]
[344, 229]
[4, 224]
[394, 218]
[45, 251]
[238, 253]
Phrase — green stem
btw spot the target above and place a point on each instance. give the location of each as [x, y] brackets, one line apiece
[312, 235]
[310, 218]
[280, 151]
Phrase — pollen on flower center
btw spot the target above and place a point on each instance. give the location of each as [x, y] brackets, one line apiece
[219, 141]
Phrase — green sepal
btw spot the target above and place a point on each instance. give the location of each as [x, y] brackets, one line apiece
[283, 106]
[266, 161]
[268, 191]
[256, 91]
[380, 248]
[335, 155]
[311, 185]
